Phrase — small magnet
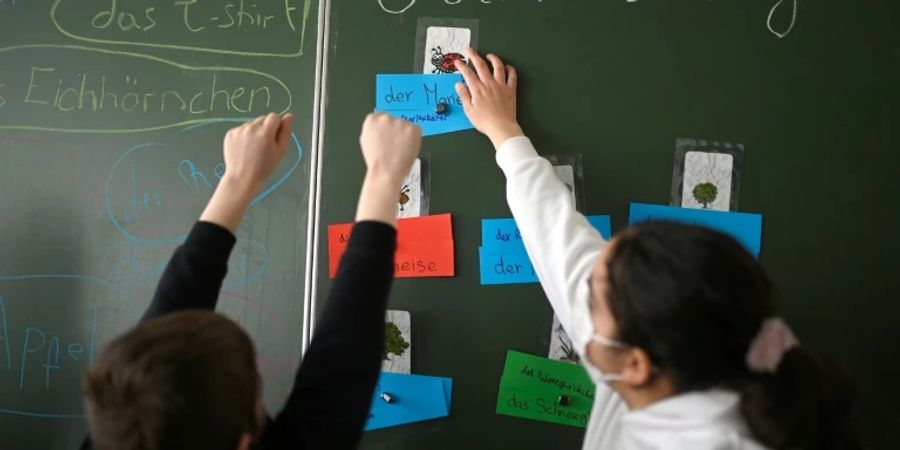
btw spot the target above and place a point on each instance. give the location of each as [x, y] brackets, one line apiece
[441, 108]
[564, 400]
[388, 398]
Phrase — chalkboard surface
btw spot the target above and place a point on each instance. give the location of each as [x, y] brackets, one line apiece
[619, 82]
[112, 115]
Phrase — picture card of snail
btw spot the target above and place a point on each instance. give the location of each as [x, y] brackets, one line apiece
[707, 174]
[397, 354]
[442, 42]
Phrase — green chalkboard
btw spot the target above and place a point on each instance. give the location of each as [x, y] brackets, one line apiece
[619, 82]
[112, 114]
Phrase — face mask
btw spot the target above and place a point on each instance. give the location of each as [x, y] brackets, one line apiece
[593, 371]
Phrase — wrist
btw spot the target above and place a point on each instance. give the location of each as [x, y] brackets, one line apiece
[237, 188]
[504, 132]
[382, 177]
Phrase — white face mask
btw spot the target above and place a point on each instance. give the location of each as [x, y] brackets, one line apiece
[597, 375]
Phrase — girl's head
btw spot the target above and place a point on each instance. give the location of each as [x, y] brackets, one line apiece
[686, 303]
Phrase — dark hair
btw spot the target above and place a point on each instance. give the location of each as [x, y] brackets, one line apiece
[185, 380]
[694, 299]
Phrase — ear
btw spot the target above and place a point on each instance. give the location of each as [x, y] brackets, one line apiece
[246, 442]
[638, 370]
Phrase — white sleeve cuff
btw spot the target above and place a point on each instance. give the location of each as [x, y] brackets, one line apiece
[514, 150]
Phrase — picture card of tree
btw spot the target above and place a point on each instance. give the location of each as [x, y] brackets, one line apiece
[561, 347]
[442, 42]
[706, 174]
[396, 356]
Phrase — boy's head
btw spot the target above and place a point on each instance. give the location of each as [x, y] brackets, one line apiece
[185, 380]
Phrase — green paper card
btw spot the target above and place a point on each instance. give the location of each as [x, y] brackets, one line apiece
[531, 388]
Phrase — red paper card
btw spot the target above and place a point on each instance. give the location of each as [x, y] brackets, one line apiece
[424, 247]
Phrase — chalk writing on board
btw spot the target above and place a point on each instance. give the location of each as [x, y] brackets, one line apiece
[260, 27]
[140, 204]
[775, 7]
[402, 6]
[141, 265]
[74, 87]
[278, 359]
[45, 361]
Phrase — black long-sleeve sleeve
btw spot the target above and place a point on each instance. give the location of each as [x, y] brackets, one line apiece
[333, 390]
[193, 277]
[329, 404]
[195, 273]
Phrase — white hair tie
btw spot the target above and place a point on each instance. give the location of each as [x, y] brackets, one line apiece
[772, 341]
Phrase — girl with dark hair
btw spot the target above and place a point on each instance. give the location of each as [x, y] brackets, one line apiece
[674, 323]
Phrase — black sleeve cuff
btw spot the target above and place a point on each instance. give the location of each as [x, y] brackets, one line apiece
[214, 240]
[373, 236]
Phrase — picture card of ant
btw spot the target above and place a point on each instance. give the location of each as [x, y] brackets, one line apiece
[442, 42]
[706, 174]
[413, 198]
[570, 171]
[561, 348]
[397, 354]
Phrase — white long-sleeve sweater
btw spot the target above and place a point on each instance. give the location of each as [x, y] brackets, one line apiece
[564, 248]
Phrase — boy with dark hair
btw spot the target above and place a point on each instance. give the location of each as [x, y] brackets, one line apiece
[186, 377]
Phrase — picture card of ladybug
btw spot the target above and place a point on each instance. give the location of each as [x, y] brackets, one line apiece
[442, 42]
[706, 174]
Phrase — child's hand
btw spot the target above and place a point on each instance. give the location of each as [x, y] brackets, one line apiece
[254, 149]
[489, 98]
[389, 146]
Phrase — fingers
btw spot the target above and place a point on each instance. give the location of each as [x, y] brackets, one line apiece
[463, 91]
[499, 68]
[270, 124]
[512, 77]
[481, 67]
[284, 131]
[468, 75]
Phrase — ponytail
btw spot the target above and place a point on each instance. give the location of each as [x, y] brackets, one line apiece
[805, 404]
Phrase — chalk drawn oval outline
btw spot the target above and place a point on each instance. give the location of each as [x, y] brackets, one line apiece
[80, 38]
[128, 301]
[180, 238]
[782, 35]
[173, 64]
[391, 11]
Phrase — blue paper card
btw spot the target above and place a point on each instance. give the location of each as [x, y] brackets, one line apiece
[415, 97]
[506, 267]
[745, 227]
[502, 255]
[414, 398]
[503, 234]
